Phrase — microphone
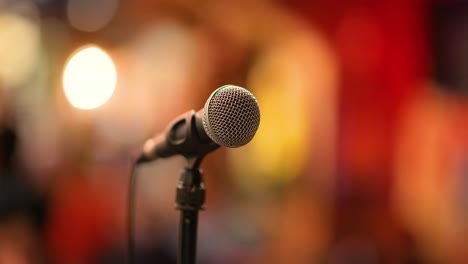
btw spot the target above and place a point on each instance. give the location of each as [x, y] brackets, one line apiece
[230, 118]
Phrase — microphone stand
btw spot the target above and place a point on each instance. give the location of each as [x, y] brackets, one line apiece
[190, 198]
[183, 137]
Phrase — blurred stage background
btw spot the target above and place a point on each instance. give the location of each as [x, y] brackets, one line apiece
[361, 155]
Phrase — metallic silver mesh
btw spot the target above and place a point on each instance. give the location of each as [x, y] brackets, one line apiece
[231, 116]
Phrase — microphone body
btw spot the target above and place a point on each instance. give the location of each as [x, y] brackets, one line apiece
[230, 118]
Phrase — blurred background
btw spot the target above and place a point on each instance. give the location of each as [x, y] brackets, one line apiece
[361, 155]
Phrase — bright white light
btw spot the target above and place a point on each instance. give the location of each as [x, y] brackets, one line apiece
[89, 78]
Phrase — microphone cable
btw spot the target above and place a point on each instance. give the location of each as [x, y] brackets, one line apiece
[131, 211]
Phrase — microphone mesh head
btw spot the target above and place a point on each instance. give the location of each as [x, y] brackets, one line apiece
[231, 116]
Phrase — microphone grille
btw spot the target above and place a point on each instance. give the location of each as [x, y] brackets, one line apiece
[231, 116]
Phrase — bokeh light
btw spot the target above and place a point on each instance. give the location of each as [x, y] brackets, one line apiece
[19, 48]
[89, 78]
[90, 15]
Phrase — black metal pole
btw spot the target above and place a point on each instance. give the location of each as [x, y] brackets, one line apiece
[188, 237]
[190, 197]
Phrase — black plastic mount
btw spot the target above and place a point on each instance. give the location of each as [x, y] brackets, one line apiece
[190, 192]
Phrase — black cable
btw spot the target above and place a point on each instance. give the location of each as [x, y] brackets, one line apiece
[131, 213]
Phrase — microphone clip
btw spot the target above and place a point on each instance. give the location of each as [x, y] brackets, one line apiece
[185, 136]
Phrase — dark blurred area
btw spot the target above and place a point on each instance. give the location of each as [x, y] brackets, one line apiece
[361, 155]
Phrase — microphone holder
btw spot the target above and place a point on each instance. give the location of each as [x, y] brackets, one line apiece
[190, 198]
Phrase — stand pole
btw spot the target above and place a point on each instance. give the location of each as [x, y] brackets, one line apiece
[190, 197]
[188, 237]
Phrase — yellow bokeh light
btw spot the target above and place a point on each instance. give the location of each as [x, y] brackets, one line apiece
[89, 78]
[19, 49]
